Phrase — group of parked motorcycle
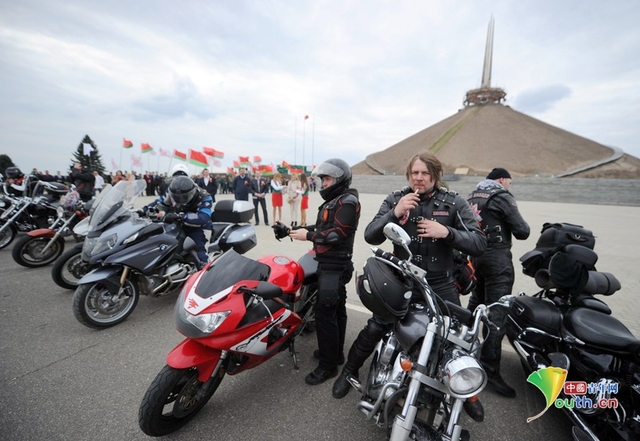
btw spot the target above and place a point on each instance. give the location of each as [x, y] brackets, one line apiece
[236, 313]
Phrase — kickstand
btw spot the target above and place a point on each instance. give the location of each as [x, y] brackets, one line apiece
[294, 354]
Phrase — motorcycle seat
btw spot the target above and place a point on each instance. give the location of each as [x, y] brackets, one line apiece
[599, 329]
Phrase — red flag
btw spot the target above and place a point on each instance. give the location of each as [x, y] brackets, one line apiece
[179, 155]
[145, 148]
[285, 164]
[236, 163]
[243, 158]
[126, 143]
[198, 158]
[209, 151]
[218, 154]
[231, 171]
[257, 159]
[306, 117]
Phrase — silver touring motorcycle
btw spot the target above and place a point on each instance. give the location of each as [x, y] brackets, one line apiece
[426, 366]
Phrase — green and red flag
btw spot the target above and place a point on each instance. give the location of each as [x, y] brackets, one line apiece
[218, 154]
[198, 158]
[257, 159]
[126, 143]
[236, 163]
[145, 148]
[209, 151]
[179, 155]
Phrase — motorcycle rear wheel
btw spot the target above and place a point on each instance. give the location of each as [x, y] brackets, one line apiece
[69, 268]
[27, 251]
[7, 236]
[97, 305]
[174, 397]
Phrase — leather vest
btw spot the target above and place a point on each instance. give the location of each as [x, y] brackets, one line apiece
[496, 231]
[433, 255]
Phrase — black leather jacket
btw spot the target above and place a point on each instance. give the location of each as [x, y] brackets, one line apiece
[443, 206]
[498, 215]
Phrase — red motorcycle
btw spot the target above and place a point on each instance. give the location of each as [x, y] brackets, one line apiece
[236, 313]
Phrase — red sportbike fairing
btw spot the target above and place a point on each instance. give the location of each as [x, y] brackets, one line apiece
[235, 316]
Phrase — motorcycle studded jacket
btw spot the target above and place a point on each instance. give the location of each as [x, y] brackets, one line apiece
[443, 206]
[497, 213]
[335, 230]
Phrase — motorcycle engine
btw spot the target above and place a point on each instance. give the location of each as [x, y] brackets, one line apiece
[174, 275]
[386, 368]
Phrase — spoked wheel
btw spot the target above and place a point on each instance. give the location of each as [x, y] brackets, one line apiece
[28, 251]
[101, 305]
[174, 397]
[69, 268]
[7, 236]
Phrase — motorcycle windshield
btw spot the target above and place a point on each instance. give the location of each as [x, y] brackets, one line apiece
[229, 269]
[116, 203]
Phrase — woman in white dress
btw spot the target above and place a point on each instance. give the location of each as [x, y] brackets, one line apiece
[294, 196]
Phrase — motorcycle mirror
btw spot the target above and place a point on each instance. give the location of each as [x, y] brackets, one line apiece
[396, 234]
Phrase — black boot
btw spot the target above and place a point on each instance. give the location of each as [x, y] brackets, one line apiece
[497, 383]
[341, 386]
[474, 409]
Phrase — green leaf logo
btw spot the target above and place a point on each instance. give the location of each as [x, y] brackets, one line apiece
[550, 381]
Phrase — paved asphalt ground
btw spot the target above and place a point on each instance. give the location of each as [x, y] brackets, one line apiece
[63, 381]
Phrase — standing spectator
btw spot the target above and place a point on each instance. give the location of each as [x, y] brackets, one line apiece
[118, 177]
[98, 183]
[497, 212]
[276, 196]
[304, 202]
[148, 178]
[259, 187]
[208, 183]
[437, 221]
[83, 180]
[332, 236]
[46, 176]
[241, 186]
[293, 198]
[58, 177]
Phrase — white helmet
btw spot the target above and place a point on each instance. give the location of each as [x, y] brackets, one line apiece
[180, 169]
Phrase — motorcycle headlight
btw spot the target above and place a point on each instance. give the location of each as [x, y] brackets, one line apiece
[463, 375]
[104, 244]
[208, 323]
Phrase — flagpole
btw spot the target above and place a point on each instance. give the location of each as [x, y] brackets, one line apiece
[295, 140]
[313, 136]
[120, 161]
[304, 126]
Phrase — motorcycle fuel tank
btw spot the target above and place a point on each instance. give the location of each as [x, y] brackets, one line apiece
[412, 327]
[285, 272]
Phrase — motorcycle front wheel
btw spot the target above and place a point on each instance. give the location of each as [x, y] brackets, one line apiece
[174, 397]
[69, 268]
[7, 236]
[27, 251]
[100, 305]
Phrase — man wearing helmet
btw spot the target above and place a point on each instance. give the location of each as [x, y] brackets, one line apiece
[332, 236]
[438, 221]
[192, 202]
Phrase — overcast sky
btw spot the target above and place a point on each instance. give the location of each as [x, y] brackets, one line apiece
[239, 76]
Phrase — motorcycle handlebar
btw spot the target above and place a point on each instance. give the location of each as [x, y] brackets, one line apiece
[387, 256]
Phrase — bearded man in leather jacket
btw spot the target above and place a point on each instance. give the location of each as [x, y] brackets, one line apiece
[437, 220]
[332, 236]
[497, 212]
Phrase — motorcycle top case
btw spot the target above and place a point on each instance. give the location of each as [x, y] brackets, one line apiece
[533, 312]
[552, 238]
[233, 212]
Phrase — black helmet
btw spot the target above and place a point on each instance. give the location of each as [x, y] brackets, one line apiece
[338, 169]
[13, 172]
[384, 290]
[182, 190]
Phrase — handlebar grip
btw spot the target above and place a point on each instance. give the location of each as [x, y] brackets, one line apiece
[387, 256]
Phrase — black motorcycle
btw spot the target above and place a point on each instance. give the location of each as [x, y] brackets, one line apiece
[131, 256]
[38, 209]
[564, 326]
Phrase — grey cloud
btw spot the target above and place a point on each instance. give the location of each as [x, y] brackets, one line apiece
[183, 101]
[541, 99]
